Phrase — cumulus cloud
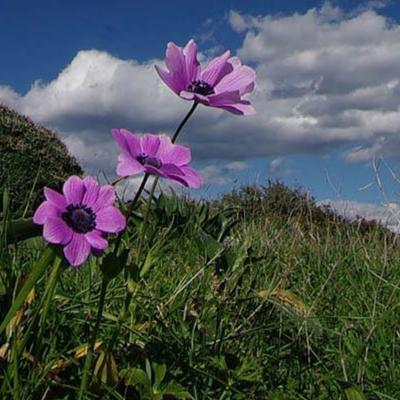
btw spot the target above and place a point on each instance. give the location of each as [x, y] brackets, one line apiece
[330, 78]
[223, 174]
[325, 79]
[387, 214]
[235, 166]
[276, 165]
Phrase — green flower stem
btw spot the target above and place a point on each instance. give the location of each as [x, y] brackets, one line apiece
[139, 192]
[146, 215]
[130, 209]
[129, 295]
[89, 356]
[183, 123]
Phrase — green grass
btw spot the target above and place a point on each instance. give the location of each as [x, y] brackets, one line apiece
[239, 299]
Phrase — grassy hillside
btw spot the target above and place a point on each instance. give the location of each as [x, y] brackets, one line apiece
[257, 296]
[31, 157]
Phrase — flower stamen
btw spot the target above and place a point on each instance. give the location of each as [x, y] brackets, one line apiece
[201, 87]
[149, 160]
[80, 218]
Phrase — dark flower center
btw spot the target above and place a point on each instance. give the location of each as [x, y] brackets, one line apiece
[149, 160]
[201, 87]
[79, 218]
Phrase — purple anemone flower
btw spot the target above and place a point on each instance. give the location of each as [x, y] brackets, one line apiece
[155, 155]
[221, 84]
[79, 218]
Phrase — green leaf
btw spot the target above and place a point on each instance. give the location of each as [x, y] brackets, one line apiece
[354, 393]
[22, 229]
[211, 246]
[176, 390]
[151, 257]
[133, 277]
[136, 376]
[159, 374]
[112, 264]
[38, 271]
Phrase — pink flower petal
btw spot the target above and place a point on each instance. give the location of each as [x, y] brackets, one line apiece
[170, 153]
[73, 190]
[239, 79]
[120, 139]
[128, 166]
[239, 108]
[91, 191]
[175, 61]
[171, 169]
[168, 79]
[96, 240]
[154, 171]
[194, 96]
[110, 219]
[105, 198]
[55, 230]
[127, 141]
[225, 98]
[192, 64]
[190, 178]
[57, 199]
[186, 95]
[247, 89]
[150, 144]
[44, 211]
[77, 250]
[217, 69]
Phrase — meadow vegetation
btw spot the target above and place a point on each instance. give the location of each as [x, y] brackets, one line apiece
[241, 298]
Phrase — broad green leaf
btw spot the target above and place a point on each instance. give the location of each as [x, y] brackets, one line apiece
[22, 229]
[159, 374]
[112, 264]
[211, 246]
[176, 390]
[354, 393]
[136, 376]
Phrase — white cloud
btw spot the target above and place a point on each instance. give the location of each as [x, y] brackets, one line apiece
[325, 79]
[235, 166]
[387, 214]
[276, 165]
[330, 79]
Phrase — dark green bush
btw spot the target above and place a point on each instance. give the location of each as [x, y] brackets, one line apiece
[278, 200]
[31, 157]
[275, 198]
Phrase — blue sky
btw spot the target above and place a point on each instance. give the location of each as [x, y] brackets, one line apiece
[345, 118]
[40, 38]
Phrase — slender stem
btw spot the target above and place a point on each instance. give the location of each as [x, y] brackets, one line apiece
[130, 209]
[89, 356]
[129, 295]
[138, 193]
[183, 123]
[149, 201]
